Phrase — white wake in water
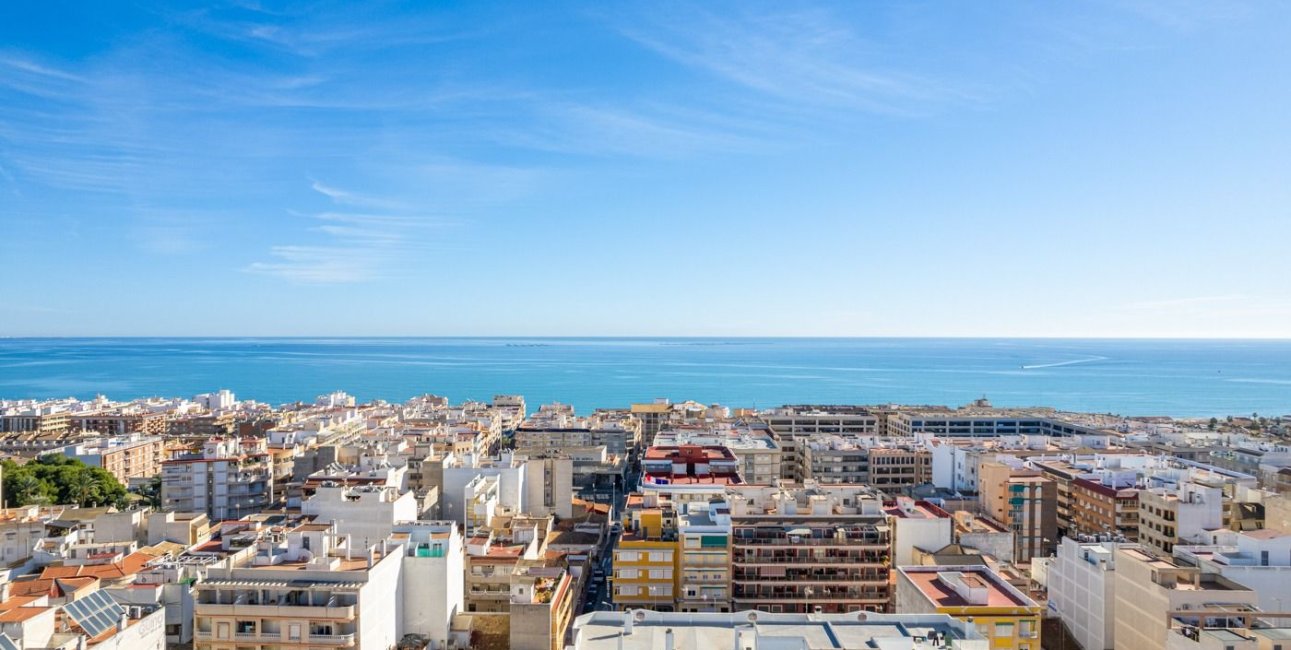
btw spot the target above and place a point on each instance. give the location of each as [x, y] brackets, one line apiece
[1064, 363]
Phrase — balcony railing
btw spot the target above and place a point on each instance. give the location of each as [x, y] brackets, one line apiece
[344, 612]
[850, 541]
[277, 637]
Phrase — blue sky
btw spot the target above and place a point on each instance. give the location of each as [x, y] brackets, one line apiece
[1116, 168]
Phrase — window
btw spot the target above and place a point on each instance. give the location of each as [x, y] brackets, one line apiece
[628, 556]
[628, 574]
[1003, 630]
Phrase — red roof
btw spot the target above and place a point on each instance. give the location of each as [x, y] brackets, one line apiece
[128, 566]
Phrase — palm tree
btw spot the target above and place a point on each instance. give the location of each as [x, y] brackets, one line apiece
[21, 488]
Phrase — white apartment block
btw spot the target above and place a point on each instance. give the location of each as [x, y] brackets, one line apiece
[367, 514]
[1179, 515]
[1082, 591]
[302, 588]
[228, 479]
[535, 486]
[1258, 559]
[433, 578]
[1152, 595]
[749, 630]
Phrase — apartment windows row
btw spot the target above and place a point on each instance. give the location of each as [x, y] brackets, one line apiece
[634, 574]
[644, 556]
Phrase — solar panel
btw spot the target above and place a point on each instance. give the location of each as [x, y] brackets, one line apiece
[8, 644]
[95, 613]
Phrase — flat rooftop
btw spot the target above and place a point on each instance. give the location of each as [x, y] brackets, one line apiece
[998, 592]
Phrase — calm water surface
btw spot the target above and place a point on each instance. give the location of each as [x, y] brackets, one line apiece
[1188, 378]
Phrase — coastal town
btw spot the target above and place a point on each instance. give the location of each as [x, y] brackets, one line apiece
[216, 523]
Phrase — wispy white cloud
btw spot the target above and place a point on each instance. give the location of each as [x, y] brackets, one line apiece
[321, 264]
[806, 58]
[358, 247]
[38, 69]
[344, 197]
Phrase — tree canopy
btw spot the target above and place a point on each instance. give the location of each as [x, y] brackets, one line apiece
[57, 479]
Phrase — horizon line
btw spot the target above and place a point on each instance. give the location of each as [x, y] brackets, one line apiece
[653, 336]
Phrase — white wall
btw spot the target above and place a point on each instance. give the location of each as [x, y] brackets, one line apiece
[510, 492]
[928, 534]
[147, 634]
[433, 591]
[380, 612]
[368, 520]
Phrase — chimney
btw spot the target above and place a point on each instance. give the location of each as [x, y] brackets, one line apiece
[627, 621]
[668, 640]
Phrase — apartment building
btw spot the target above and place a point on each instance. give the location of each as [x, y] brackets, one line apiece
[81, 617]
[992, 423]
[552, 428]
[647, 630]
[1257, 559]
[203, 425]
[647, 558]
[685, 473]
[121, 421]
[834, 459]
[652, 415]
[542, 608]
[811, 548]
[20, 529]
[896, 468]
[531, 485]
[489, 567]
[1082, 591]
[1063, 473]
[794, 426]
[1154, 596]
[1100, 509]
[985, 534]
[433, 577]
[301, 587]
[187, 528]
[512, 409]
[228, 479]
[1179, 515]
[125, 457]
[704, 558]
[975, 595]
[917, 525]
[1025, 502]
[41, 419]
[366, 514]
[755, 448]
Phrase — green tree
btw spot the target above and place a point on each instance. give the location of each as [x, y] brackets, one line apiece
[55, 478]
[22, 487]
[151, 493]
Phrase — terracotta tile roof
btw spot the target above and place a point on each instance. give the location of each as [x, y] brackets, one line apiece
[19, 614]
[128, 566]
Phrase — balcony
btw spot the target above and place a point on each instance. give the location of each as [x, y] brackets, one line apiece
[343, 613]
[339, 640]
[873, 539]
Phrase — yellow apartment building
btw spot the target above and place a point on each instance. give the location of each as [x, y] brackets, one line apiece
[976, 594]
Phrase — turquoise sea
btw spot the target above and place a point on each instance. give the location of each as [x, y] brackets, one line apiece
[1132, 377]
